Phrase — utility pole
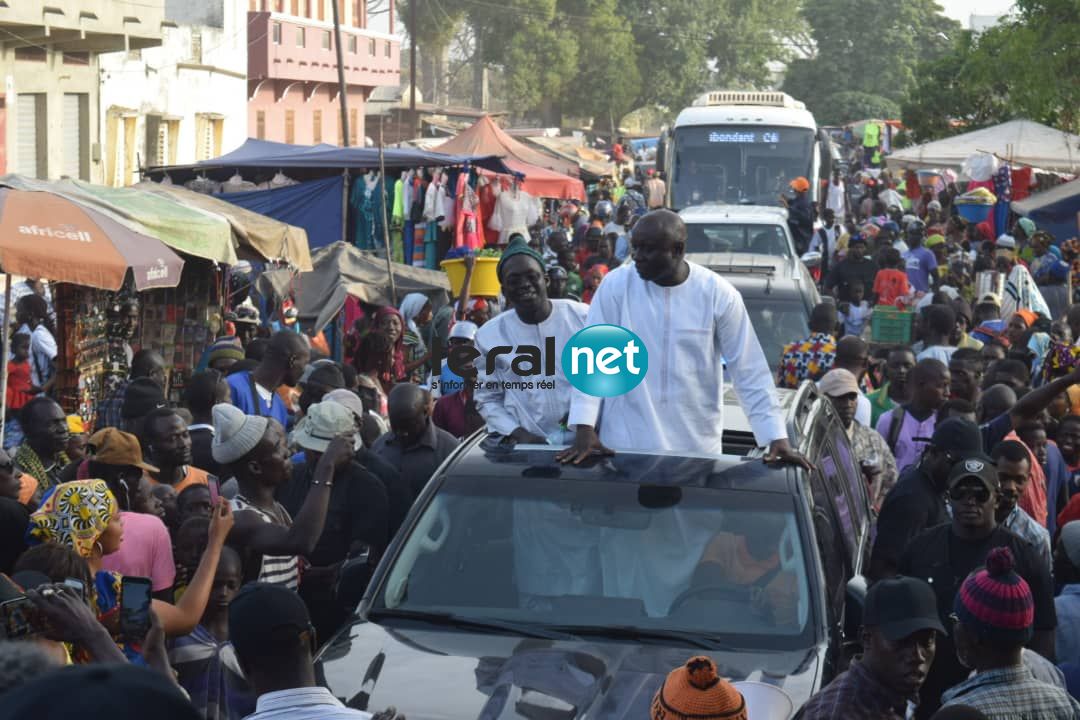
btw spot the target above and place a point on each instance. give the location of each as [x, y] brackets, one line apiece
[412, 68]
[340, 74]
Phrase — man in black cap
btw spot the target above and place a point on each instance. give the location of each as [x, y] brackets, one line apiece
[143, 396]
[917, 502]
[319, 378]
[946, 554]
[556, 282]
[899, 637]
[146, 364]
[274, 639]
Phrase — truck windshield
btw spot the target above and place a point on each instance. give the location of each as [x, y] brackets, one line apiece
[589, 557]
[735, 164]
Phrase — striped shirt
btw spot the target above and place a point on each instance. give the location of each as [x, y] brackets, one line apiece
[275, 569]
[1011, 694]
[309, 703]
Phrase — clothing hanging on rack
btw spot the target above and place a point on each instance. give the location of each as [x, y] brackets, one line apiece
[203, 184]
[486, 190]
[364, 198]
[515, 212]
[397, 251]
[469, 215]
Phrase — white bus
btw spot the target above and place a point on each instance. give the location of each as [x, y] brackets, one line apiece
[741, 147]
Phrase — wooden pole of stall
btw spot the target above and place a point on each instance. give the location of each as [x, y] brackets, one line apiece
[5, 350]
[345, 206]
[385, 220]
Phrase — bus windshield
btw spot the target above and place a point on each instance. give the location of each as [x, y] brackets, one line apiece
[735, 164]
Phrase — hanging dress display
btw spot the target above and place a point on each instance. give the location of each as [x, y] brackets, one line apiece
[469, 216]
[397, 221]
[515, 212]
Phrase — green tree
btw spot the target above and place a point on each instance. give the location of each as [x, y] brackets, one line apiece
[844, 107]
[866, 46]
[607, 80]
[956, 93]
[437, 22]
[1024, 67]
[747, 35]
[672, 40]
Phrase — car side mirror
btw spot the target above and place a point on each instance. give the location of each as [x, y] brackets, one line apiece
[854, 607]
[353, 579]
[811, 259]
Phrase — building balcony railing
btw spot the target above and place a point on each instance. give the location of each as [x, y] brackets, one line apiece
[283, 47]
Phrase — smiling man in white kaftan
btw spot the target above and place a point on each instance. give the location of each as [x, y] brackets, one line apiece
[691, 321]
[526, 408]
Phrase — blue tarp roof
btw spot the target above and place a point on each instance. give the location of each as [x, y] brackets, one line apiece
[317, 160]
[1055, 210]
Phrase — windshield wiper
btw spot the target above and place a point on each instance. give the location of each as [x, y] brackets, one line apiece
[629, 632]
[458, 621]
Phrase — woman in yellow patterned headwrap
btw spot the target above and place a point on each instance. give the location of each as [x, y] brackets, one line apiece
[84, 515]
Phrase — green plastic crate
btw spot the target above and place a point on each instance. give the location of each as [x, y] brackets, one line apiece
[891, 325]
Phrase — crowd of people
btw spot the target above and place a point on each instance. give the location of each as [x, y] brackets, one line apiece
[242, 505]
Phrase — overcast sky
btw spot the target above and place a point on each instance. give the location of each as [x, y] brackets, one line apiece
[962, 9]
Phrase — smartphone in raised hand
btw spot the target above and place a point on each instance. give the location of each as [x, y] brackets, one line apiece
[135, 596]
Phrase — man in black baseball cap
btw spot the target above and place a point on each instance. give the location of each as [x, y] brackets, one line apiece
[917, 501]
[271, 630]
[899, 637]
[946, 554]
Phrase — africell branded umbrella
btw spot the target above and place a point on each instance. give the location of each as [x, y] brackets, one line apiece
[46, 235]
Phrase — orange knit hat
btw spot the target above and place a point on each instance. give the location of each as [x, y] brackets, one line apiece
[695, 690]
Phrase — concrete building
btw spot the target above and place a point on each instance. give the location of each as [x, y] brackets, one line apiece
[181, 102]
[49, 60]
[292, 71]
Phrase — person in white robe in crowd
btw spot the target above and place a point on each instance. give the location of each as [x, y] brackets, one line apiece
[524, 407]
[693, 323]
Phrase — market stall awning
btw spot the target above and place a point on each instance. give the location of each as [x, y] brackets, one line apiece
[186, 229]
[1056, 210]
[590, 160]
[1024, 142]
[543, 183]
[45, 234]
[341, 270]
[309, 161]
[487, 138]
[258, 235]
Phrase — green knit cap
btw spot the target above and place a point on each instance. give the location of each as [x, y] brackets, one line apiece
[518, 246]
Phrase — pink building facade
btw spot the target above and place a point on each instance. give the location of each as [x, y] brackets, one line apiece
[292, 71]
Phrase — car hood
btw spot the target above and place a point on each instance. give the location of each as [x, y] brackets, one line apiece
[430, 673]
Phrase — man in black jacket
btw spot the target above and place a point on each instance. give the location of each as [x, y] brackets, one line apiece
[946, 554]
[800, 214]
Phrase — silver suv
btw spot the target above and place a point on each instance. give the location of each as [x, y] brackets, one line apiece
[752, 248]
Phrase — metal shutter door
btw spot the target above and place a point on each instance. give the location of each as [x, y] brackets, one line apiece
[71, 128]
[26, 157]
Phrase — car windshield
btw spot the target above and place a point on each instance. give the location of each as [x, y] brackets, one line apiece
[705, 237]
[776, 322]
[738, 164]
[589, 557]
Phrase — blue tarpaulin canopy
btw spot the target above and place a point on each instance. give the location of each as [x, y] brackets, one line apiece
[314, 205]
[1056, 210]
[310, 161]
